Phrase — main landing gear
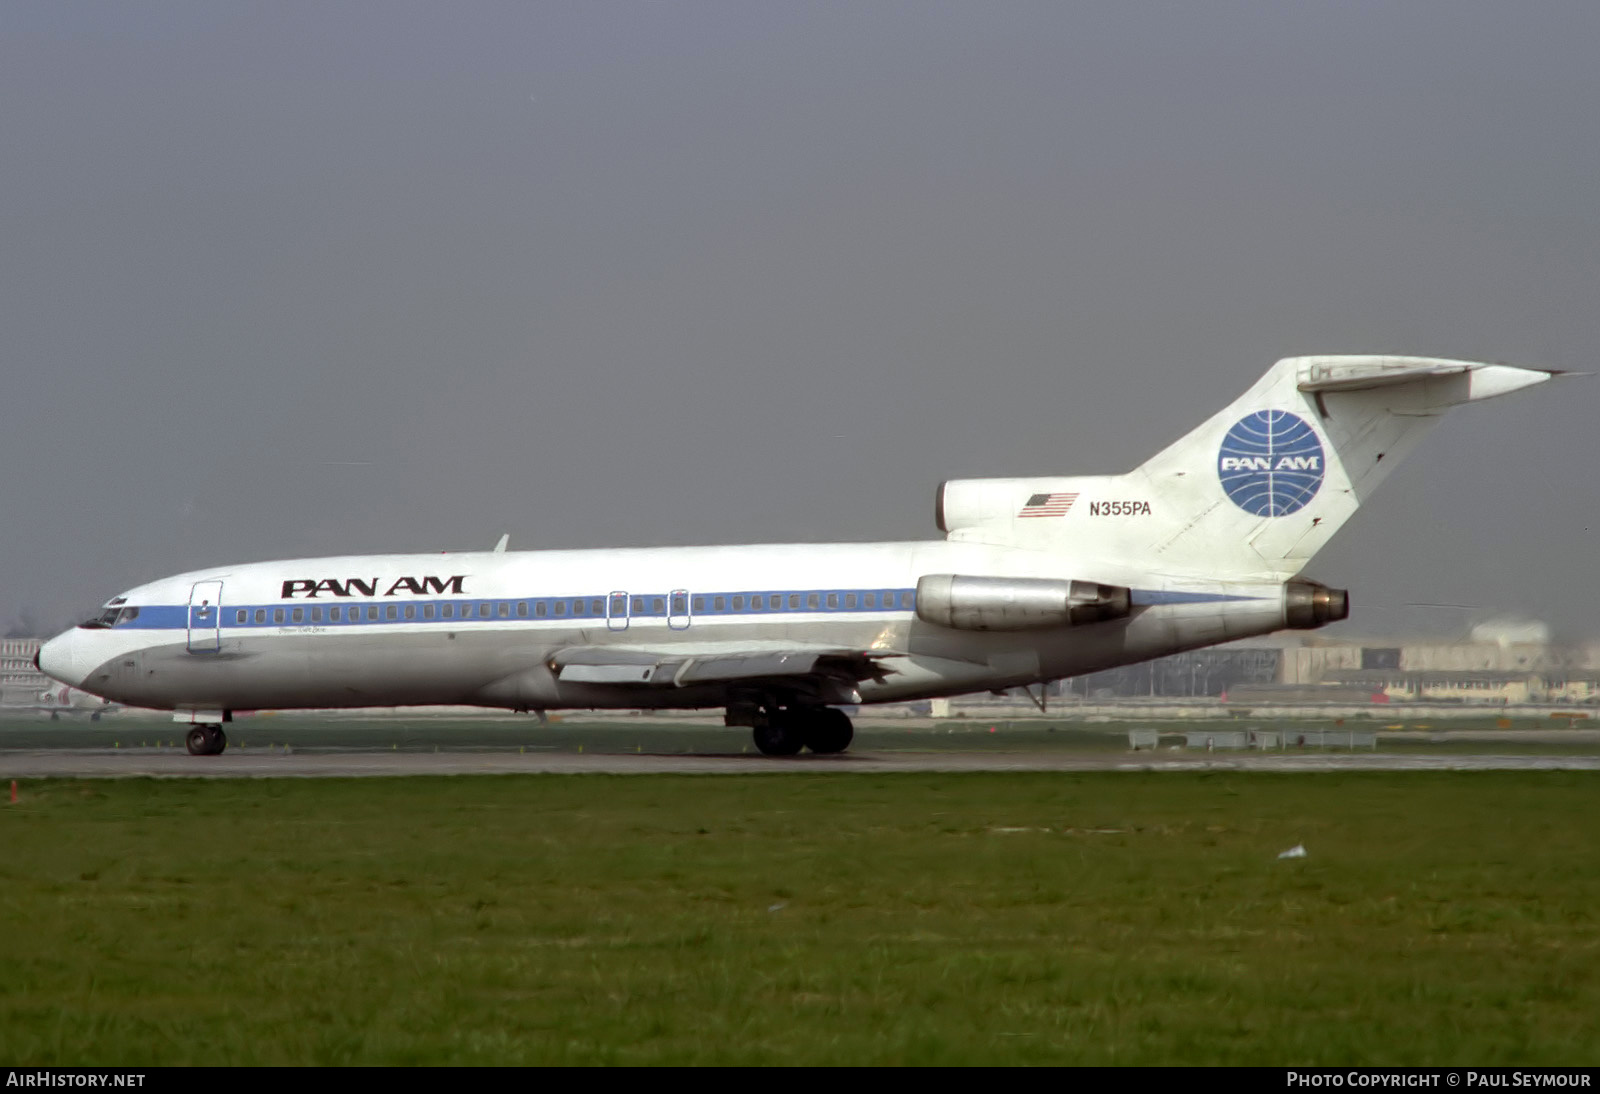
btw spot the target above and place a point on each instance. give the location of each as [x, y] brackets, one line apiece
[785, 731]
[206, 741]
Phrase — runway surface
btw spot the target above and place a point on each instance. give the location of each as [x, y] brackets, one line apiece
[266, 764]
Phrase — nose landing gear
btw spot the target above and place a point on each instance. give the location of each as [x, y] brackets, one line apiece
[208, 740]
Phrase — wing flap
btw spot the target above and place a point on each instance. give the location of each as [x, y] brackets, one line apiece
[608, 674]
[700, 670]
[673, 668]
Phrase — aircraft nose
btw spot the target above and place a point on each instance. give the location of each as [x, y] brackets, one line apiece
[61, 658]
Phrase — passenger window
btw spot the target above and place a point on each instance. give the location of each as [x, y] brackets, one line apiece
[833, 600]
[448, 611]
[335, 613]
[541, 609]
[719, 604]
[316, 615]
[849, 601]
[794, 601]
[811, 600]
[657, 605]
[239, 618]
[888, 600]
[577, 607]
[261, 615]
[427, 611]
[597, 606]
[391, 611]
[411, 611]
[299, 615]
[277, 615]
[560, 607]
[680, 603]
[738, 603]
[638, 605]
[505, 610]
[372, 613]
[699, 604]
[485, 610]
[869, 600]
[755, 603]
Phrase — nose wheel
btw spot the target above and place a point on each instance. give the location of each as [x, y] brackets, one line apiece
[206, 741]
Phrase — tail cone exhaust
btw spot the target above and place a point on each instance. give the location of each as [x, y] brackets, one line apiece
[1309, 604]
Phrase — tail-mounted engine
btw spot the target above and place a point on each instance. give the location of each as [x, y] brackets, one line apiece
[1016, 603]
[1309, 604]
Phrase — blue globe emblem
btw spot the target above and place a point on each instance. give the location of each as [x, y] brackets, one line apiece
[1271, 463]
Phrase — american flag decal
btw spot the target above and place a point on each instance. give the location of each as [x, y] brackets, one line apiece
[1048, 505]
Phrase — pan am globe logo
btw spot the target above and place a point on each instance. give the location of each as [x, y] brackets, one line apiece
[1271, 463]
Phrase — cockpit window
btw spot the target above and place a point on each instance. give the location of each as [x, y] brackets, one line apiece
[126, 616]
[107, 616]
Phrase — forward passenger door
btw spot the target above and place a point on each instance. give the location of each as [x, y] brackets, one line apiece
[205, 617]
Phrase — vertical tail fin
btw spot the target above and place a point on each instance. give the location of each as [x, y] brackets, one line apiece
[1254, 491]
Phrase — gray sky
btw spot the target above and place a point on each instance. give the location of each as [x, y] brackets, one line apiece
[300, 279]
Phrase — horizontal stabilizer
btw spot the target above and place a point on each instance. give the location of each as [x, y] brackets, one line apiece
[1368, 373]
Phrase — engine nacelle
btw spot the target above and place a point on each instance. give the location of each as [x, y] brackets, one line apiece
[1310, 604]
[968, 603]
[968, 503]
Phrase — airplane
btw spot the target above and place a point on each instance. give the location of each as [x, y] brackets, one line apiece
[1037, 579]
[56, 701]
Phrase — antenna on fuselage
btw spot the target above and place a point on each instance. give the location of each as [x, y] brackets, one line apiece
[500, 547]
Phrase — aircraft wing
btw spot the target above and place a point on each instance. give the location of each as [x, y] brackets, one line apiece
[718, 663]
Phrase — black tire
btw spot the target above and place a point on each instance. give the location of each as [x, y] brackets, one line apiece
[219, 740]
[198, 741]
[780, 736]
[828, 731]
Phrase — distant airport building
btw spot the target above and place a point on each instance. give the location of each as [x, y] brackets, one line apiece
[20, 682]
[1503, 663]
[1200, 673]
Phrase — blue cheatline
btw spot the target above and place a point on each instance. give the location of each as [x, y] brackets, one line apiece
[579, 611]
[1271, 463]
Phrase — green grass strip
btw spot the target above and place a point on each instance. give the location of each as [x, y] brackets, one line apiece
[1438, 918]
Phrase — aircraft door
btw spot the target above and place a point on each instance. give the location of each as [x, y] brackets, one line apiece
[678, 609]
[205, 617]
[617, 611]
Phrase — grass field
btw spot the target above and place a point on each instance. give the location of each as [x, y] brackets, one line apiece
[1011, 918]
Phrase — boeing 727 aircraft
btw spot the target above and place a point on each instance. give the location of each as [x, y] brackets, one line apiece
[1035, 580]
